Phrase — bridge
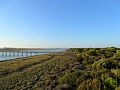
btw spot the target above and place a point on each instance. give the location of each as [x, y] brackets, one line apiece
[13, 52]
[21, 53]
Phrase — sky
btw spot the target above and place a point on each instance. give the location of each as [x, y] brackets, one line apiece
[59, 23]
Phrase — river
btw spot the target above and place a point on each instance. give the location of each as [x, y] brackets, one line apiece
[27, 53]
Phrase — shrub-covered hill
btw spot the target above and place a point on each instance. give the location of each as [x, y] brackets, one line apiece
[75, 69]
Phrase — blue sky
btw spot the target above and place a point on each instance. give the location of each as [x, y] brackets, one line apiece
[59, 23]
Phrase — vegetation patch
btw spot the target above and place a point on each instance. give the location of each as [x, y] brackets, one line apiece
[74, 69]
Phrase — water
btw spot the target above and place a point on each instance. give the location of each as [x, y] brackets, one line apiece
[26, 53]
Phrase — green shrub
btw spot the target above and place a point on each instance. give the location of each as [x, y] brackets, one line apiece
[94, 84]
[78, 50]
[68, 79]
[109, 54]
[109, 64]
[112, 49]
[116, 72]
[110, 83]
[92, 52]
[117, 54]
[98, 64]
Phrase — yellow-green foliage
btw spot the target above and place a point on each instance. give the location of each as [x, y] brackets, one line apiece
[68, 79]
[110, 83]
[116, 72]
[75, 69]
[90, 85]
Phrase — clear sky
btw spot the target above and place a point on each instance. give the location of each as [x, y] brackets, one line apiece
[59, 23]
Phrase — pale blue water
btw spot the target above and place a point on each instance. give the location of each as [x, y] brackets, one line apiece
[8, 56]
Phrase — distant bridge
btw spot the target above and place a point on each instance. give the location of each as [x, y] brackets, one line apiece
[13, 52]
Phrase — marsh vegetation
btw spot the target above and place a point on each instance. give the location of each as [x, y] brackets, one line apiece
[75, 69]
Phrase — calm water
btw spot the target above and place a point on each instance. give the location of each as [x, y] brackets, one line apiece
[8, 56]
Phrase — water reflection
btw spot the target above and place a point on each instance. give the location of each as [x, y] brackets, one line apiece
[25, 53]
